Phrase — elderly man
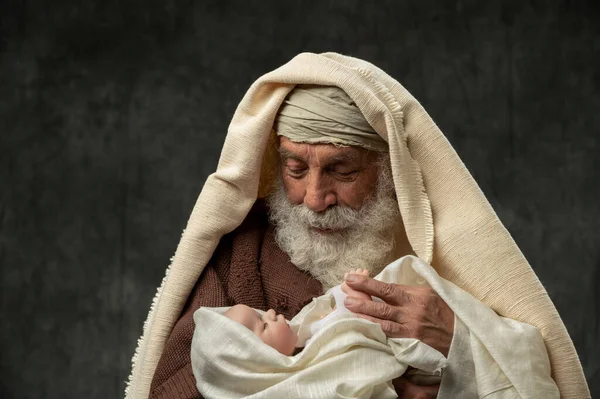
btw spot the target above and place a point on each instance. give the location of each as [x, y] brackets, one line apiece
[330, 165]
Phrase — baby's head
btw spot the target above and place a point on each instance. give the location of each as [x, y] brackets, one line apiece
[271, 328]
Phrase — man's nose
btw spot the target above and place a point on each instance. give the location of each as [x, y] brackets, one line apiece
[319, 195]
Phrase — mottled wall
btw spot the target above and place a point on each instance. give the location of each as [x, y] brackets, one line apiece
[112, 114]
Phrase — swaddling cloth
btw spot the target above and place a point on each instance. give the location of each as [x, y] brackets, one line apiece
[348, 358]
[343, 356]
[352, 358]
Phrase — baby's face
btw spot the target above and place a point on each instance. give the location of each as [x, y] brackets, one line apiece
[271, 328]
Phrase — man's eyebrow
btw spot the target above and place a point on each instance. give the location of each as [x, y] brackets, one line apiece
[286, 154]
[346, 157]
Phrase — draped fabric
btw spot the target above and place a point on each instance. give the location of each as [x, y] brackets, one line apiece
[448, 221]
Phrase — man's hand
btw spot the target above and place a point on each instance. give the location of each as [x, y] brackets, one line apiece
[406, 312]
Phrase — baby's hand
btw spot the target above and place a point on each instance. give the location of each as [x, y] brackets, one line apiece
[353, 293]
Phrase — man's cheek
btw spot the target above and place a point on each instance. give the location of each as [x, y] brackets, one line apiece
[351, 197]
[295, 192]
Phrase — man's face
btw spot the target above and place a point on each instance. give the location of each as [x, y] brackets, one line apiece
[334, 209]
[323, 175]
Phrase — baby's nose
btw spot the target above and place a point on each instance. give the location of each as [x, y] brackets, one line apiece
[271, 315]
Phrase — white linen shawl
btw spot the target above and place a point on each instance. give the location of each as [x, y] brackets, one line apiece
[448, 221]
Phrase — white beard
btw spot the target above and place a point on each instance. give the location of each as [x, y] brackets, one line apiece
[367, 240]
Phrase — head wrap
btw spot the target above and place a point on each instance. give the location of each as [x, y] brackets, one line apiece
[325, 114]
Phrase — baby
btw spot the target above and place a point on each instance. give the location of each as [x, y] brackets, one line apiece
[342, 355]
[272, 328]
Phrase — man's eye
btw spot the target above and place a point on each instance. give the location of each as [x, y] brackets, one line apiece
[346, 174]
[296, 172]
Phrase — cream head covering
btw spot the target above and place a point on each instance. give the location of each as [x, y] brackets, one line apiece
[325, 114]
[448, 221]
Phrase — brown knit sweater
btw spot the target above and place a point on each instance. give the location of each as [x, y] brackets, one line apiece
[247, 267]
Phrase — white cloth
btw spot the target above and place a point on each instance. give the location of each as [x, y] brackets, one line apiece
[348, 357]
[326, 316]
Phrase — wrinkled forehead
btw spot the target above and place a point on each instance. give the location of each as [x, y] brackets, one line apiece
[302, 151]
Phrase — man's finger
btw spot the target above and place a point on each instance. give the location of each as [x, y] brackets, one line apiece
[378, 310]
[389, 293]
[390, 328]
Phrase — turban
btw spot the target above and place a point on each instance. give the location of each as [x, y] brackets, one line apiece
[325, 114]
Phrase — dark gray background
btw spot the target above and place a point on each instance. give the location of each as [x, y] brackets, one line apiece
[112, 114]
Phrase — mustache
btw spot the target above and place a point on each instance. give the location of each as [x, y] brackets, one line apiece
[338, 217]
